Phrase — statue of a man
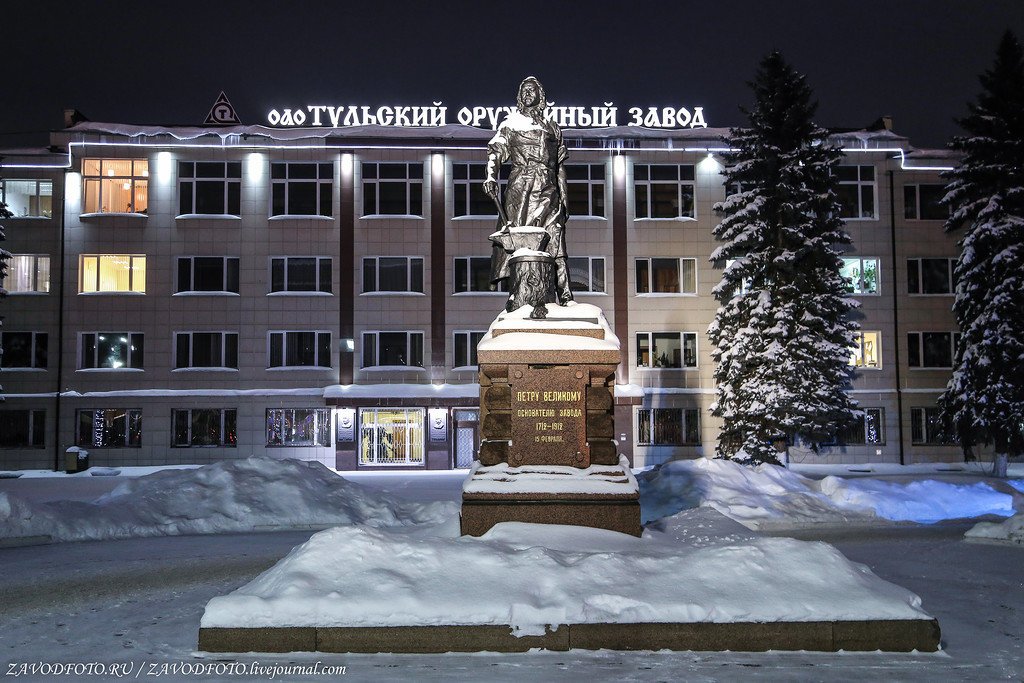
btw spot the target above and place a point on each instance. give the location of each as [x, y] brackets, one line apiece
[536, 193]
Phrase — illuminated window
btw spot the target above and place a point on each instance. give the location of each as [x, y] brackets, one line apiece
[666, 350]
[667, 427]
[302, 189]
[22, 428]
[866, 352]
[931, 276]
[210, 187]
[932, 349]
[666, 276]
[663, 190]
[465, 348]
[586, 273]
[116, 428]
[869, 428]
[23, 350]
[113, 273]
[391, 437]
[204, 427]
[393, 274]
[27, 198]
[392, 189]
[392, 349]
[27, 273]
[300, 274]
[586, 189]
[298, 349]
[207, 274]
[468, 189]
[116, 185]
[924, 203]
[473, 274]
[856, 192]
[861, 275]
[111, 350]
[299, 427]
[926, 428]
[206, 350]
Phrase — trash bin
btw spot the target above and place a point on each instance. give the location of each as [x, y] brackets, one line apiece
[76, 460]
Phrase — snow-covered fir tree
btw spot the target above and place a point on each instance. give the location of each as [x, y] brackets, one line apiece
[984, 400]
[783, 334]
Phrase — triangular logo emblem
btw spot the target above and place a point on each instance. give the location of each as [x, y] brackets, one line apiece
[222, 114]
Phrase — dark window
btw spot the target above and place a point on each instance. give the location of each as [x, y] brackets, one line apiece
[931, 276]
[206, 350]
[300, 349]
[926, 428]
[667, 427]
[116, 428]
[924, 202]
[22, 428]
[23, 349]
[393, 274]
[932, 349]
[200, 427]
[473, 274]
[299, 427]
[210, 187]
[465, 348]
[468, 190]
[664, 190]
[856, 191]
[207, 274]
[586, 273]
[586, 189]
[392, 189]
[300, 274]
[392, 349]
[302, 189]
[869, 428]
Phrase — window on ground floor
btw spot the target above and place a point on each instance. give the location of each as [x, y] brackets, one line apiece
[926, 428]
[391, 437]
[113, 428]
[667, 427]
[299, 427]
[22, 428]
[199, 427]
[869, 428]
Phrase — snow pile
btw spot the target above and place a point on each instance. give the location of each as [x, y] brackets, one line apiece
[230, 496]
[1010, 531]
[767, 494]
[532, 575]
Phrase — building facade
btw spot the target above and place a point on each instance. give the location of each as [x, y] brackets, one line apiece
[185, 295]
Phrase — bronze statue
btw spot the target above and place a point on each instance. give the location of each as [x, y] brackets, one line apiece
[536, 193]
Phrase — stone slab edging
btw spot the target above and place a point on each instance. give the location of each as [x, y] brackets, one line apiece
[889, 635]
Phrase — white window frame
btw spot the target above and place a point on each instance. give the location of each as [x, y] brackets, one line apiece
[129, 415]
[916, 206]
[320, 284]
[682, 347]
[593, 262]
[409, 447]
[687, 413]
[322, 427]
[470, 186]
[858, 285]
[860, 185]
[915, 265]
[190, 334]
[373, 336]
[222, 442]
[680, 183]
[408, 181]
[318, 362]
[861, 348]
[136, 262]
[409, 260]
[323, 185]
[470, 335]
[138, 173]
[38, 195]
[878, 441]
[225, 261]
[649, 260]
[594, 187]
[954, 340]
[231, 183]
[129, 366]
[33, 260]
[484, 261]
[33, 346]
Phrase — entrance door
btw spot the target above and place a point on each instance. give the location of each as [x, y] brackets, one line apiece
[467, 437]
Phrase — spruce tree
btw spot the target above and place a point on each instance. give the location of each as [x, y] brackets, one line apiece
[783, 334]
[984, 400]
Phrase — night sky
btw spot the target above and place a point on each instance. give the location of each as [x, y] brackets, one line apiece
[165, 63]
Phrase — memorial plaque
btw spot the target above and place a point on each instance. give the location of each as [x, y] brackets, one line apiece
[549, 416]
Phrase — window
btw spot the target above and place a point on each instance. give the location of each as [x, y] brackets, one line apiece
[28, 198]
[299, 427]
[116, 428]
[210, 187]
[199, 427]
[866, 352]
[468, 189]
[465, 348]
[869, 428]
[391, 437]
[22, 428]
[856, 191]
[27, 273]
[666, 350]
[924, 203]
[666, 276]
[23, 349]
[111, 350]
[300, 349]
[663, 190]
[393, 274]
[586, 273]
[585, 186]
[392, 189]
[861, 275]
[667, 427]
[389, 349]
[206, 350]
[745, 285]
[302, 189]
[207, 274]
[116, 185]
[300, 274]
[931, 276]
[473, 274]
[113, 273]
[932, 349]
[926, 428]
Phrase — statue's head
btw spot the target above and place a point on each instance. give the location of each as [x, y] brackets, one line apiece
[530, 100]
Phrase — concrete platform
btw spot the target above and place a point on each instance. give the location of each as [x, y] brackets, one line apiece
[822, 636]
